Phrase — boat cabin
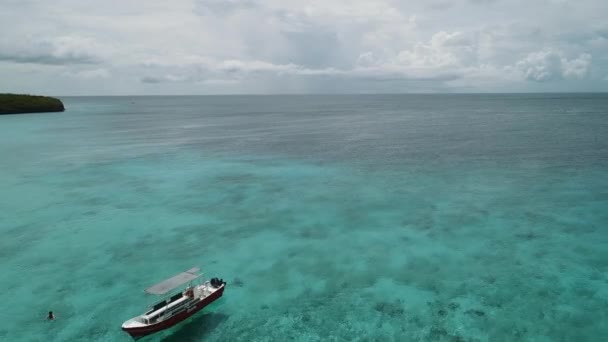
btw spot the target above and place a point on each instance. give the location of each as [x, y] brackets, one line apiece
[175, 303]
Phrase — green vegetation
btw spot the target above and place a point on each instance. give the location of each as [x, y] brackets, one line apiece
[14, 104]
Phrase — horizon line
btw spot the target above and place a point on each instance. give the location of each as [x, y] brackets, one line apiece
[343, 94]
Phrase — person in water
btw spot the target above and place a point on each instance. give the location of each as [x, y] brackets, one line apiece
[51, 316]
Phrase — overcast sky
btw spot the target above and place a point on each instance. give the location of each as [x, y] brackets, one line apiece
[124, 47]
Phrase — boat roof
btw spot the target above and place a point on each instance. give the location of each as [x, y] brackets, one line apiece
[173, 282]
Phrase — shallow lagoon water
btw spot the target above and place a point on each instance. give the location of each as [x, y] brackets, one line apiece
[333, 218]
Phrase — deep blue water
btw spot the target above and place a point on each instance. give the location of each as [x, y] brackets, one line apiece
[334, 218]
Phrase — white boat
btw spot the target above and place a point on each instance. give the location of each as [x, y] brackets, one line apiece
[175, 307]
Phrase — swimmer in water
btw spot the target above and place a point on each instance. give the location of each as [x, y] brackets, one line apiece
[51, 316]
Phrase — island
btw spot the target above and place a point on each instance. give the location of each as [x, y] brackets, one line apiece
[17, 104]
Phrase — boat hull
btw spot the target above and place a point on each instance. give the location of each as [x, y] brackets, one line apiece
[140, 332]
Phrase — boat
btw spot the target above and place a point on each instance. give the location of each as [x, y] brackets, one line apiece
[175, 307]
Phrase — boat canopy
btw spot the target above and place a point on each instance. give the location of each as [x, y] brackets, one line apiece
[173, 282]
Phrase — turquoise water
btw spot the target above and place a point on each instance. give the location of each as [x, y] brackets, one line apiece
[333, 218]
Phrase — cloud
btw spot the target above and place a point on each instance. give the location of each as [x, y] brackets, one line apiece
[443, 50]
[222, 7]
[254, 69]
[89, 73]
[483, 2]
[446, 56]
[33, 58]
[203, 69]
[449, 58]
[154, 79]
[54, 51]
[311, 46]
[548, 65]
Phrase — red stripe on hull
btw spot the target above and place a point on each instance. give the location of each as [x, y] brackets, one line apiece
[154, 328]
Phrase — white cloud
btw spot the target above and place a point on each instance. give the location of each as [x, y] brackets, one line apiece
[249, 45]
[89, 73]
[53, 50]
[576, 68]
[550, 65]
[443, 50]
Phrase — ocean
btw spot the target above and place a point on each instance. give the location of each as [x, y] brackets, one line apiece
[332, 218]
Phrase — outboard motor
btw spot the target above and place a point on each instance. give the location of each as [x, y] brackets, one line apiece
[216, 282]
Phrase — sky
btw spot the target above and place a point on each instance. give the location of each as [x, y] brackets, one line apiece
[188, 47]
